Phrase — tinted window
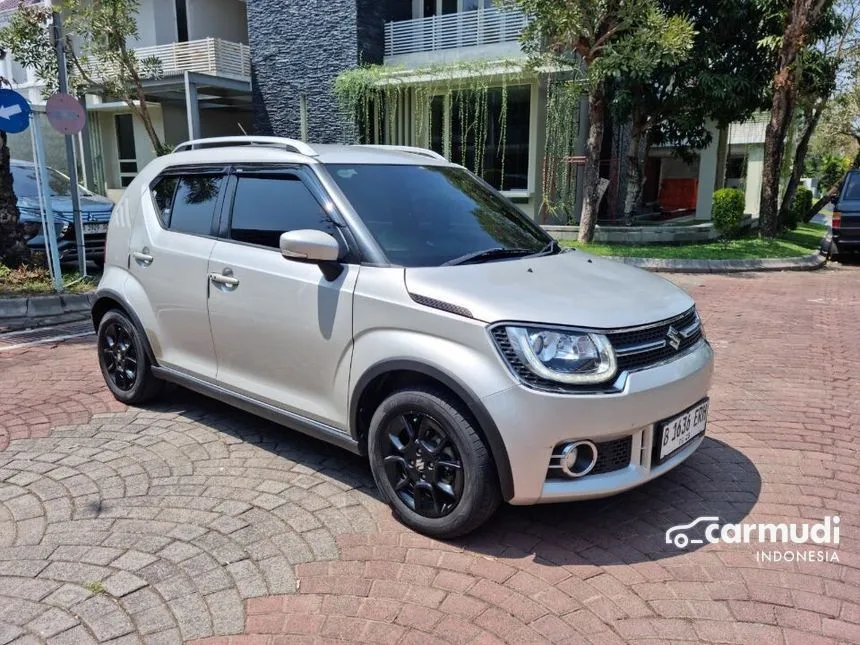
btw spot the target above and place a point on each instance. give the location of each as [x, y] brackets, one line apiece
[187, 204]
[163, 193]
[265, 207]
[852, 187]
[428, 215]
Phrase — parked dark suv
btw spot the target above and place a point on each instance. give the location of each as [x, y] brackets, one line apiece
[95, 210]
[846, 216]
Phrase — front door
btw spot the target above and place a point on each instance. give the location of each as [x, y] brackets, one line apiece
[170, 248]
[282, 331]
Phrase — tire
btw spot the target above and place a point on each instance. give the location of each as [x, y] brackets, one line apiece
[123, 360]
[450, 502]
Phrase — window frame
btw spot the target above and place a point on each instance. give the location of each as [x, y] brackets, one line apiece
[184, 171]
[518, 194]
[342, 233]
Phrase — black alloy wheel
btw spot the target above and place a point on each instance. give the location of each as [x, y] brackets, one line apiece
[431, 463]
[123, 359]
[423, 465]
[120, 355]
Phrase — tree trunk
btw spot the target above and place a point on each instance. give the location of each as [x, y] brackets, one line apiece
[774, 147]
[799, 159]
[13, 245]
[635, 174]
[593, 192]
[804, 14]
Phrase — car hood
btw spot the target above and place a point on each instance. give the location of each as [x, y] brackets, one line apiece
[572, 288]
[93, 207]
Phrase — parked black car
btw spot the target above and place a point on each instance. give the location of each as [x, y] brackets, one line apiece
[95, 210]
[846, 217]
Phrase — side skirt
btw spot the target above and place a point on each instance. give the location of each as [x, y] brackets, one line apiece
[277, 415]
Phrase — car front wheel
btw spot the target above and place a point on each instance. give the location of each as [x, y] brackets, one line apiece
[431, 464]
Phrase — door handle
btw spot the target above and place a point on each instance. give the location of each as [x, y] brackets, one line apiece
[143, 257]
[225, 279]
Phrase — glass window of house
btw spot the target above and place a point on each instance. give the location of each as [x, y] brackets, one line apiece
[505, 171]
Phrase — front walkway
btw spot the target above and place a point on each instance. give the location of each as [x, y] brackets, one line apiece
[191, 520]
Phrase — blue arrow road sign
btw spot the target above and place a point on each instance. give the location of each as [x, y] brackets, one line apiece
[14, 112]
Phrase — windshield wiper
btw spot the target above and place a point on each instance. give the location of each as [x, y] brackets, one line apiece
[551, 248]
[487, 254]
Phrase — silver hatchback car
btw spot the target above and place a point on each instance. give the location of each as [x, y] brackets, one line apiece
[389, 302]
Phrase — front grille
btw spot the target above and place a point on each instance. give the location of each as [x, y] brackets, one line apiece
[636, 349]
[611, 456]
[627, 342]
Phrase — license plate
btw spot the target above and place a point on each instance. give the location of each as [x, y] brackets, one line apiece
[677, 432]
[90, 229]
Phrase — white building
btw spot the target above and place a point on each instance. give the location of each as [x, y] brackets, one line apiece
[204, 88]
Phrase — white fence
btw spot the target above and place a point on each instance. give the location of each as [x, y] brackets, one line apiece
[207, 56]
[464, 29]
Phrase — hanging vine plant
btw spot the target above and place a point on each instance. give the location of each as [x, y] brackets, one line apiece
[386, 104]
[562, 131]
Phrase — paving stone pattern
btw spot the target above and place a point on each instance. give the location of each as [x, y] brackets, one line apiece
[189, 520]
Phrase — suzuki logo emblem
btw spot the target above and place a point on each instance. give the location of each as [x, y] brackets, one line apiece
[673, 337]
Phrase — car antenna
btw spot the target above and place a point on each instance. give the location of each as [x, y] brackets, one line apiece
[241, 128]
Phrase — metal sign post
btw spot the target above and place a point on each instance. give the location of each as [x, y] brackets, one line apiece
[59, 40]
[49, 228]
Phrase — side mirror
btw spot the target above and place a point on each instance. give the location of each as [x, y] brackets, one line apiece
[308, 245]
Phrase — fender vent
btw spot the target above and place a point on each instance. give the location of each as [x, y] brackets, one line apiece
[441, 305]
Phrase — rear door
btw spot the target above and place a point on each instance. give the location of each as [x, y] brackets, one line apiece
[282, 330]
[170, 249]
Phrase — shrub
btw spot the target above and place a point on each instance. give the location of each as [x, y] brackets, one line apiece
[800, 206]
[728, 211]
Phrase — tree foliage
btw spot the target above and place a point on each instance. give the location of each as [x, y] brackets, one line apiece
[97, 33]
[722, 80]
[612, 39]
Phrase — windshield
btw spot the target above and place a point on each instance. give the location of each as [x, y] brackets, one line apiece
[429, 215]
[25, 182]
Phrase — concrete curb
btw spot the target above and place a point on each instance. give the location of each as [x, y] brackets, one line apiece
[806, 263]
[37, 311]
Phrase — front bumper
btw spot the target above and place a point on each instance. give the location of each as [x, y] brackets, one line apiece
[67, 247]
[532, 423]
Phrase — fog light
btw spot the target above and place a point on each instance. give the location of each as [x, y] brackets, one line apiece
[578, 458]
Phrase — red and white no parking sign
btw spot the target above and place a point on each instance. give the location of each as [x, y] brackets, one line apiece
[65, 113]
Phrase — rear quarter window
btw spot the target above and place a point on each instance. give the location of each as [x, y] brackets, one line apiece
[187, 203]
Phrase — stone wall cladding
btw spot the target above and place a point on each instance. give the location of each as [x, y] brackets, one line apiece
[299, 47]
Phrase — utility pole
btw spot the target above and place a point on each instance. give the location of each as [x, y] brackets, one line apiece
[60, 43]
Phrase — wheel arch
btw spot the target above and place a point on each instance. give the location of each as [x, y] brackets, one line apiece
[386, 376]
[107, 300]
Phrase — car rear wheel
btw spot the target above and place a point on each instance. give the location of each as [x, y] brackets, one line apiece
[123, 360]
[431, 464]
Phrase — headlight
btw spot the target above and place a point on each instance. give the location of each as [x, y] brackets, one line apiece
[579, 358]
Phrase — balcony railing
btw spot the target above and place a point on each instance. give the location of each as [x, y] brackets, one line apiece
[488, 26]
[206, 56]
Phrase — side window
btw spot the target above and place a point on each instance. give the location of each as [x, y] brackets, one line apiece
[265, 207]
[163, 193]
[186, 204]
[194, 204]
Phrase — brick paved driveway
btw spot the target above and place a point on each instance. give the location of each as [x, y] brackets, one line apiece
[190, 520]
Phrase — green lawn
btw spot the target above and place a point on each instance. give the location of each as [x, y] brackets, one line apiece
[803, 241]
[33, 281]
